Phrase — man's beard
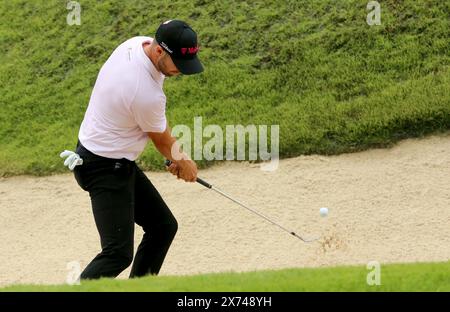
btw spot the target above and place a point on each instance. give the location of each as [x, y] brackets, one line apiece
[163, 69]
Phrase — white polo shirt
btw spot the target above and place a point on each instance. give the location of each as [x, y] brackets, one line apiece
[127, 102]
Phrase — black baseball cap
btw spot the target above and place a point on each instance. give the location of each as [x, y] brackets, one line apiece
[179, 40]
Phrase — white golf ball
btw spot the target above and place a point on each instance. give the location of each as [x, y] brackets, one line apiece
[324, 212]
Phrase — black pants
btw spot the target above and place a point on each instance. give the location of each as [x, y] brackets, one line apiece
[121, 195]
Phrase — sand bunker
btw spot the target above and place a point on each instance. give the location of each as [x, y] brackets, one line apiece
[388, 205]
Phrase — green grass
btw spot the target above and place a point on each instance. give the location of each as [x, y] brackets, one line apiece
[330, 81]
[394, 277]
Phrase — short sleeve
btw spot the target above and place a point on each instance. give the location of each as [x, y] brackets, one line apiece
[150, 115]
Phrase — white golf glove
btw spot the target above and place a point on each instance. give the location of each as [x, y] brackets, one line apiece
[73, 160]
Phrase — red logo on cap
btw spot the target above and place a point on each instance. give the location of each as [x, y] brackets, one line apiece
[192, 50]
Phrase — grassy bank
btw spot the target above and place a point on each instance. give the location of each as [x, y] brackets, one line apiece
[394, 277]
[332, 83]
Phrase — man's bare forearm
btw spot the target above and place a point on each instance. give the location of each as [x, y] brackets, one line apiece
[168, 146]
[171, 150]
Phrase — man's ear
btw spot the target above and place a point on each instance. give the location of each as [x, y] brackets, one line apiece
[159, 50]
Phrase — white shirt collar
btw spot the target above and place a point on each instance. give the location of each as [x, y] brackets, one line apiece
[151, 69]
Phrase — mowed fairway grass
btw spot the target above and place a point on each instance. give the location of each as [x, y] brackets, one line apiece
[394, 277]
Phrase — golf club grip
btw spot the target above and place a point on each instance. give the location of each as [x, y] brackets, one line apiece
[200, 181]
[204, 183]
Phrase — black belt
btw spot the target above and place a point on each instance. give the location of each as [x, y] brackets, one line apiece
[90, 158]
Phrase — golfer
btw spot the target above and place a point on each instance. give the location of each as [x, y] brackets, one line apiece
[126, 109]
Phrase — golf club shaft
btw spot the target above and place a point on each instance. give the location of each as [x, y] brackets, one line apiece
[251, 210]
[210, 186]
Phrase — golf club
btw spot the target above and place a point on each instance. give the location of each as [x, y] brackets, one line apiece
[210, 186]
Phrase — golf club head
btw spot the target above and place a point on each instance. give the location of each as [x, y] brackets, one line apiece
[306, 240]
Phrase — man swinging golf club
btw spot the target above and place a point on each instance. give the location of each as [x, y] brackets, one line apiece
[126, 109]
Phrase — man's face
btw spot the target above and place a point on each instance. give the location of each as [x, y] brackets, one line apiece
[166, 65]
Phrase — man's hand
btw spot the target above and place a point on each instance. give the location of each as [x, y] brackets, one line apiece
[73, 159]
[184, 169]
[187, 170]
[173, 169]
[182, 166]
